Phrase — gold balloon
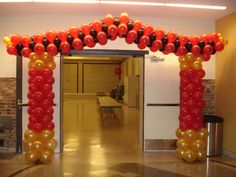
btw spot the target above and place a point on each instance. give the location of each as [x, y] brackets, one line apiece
[198, 145]
[7, 40]
[182, 144]
[33, 57]
[27, 145]
[30, 64]
[46, 57]
[179, 133]
[182, 59]
[189, 156]
[199, 58]
[189, 57]
[46, 156]
[38, 146]
[183, 66]
[51, 65]
[51, 145]
[31, 156]
[46, 135]
[202, 134]
[197, 65]
[39, 64]
[179, 153]
[190, 135]
[201, 155]
[30, 135]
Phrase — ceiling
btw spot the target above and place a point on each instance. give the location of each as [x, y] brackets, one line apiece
[103, 9]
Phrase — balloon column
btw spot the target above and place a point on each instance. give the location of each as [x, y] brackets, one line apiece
[40, 48]
[39, 143]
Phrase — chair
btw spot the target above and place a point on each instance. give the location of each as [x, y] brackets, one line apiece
[7, 130]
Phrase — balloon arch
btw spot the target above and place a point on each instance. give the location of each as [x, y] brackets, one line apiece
[41, 49]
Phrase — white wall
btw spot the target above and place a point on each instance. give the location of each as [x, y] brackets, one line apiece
[29, 24]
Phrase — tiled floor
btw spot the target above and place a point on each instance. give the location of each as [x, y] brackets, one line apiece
[109, 149]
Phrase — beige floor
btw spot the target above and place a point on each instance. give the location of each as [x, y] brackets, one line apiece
[109, 149]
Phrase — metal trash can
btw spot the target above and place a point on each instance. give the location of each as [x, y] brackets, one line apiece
[214, 125]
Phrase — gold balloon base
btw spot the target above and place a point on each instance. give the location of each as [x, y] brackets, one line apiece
[191, 145]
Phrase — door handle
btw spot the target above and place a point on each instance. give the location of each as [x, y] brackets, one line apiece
[20, 104]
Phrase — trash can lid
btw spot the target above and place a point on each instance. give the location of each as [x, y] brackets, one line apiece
[213, 119]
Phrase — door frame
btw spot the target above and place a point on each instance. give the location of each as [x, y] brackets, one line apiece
[134, 53]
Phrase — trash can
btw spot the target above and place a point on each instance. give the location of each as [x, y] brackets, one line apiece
[214, 125]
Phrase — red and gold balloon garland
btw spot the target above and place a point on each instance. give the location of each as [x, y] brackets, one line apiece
[192, 50]
[38, 139]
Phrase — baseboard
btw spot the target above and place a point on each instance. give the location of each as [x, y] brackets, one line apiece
[159, 144]
[229, 153]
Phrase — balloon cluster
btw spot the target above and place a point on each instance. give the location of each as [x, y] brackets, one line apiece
[191, 145]
[99, 31]
[39, 143]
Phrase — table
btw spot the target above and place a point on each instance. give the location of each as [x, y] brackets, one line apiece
[107, 106]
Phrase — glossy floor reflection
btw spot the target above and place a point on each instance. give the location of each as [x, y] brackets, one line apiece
[109, 149]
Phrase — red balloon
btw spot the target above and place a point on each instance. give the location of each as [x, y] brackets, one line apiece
[46, 73]
[113, 38]
[208, 49]
[160, 33]
[191, 73]
[190, 88]
[215, 37]
[132, 34]
[102, 38]
[188, 119]
[37, 127]
[50, 95]
[157, 44]
[191, 103]
[38, 96]
[52, 49]
[108, 19]
[209, 37]
[45, 104]
[184, 110]
[153, 48]
[39, 112]
[183, 126]
[128, 40]
[197, 112]
[124, 18]
[97, 25]
[46, 88]
[183, 73]
[30, 95]
[185, 96]
[85, 28]
[200, 88]
[62, 35]
[196, 50]
[144, 40]
[182, 50]
[197, 126]
[198, 95]
[31, 111]
[118, 71]
[183, 39]
[204, 38]
[26, 52]
[65, 47]
[33, 72]
[33, 119]
[142, 46]
[15, 39]
[38, 37]
[200, 104]
[194, 40]
[197, 80]
[170, 47]
[112, 30]
[172, 36]
[49, 111]
[11, 50]
[201, 73]
[148, 30]
[38, 80]
[50, 80]
[137, 25]
[32, 103]
[206, 56]
[77, 44]
[51, 35]
[122, 29]
[30, 126]
[25, 40]
[45, 120]
[39, 49]
[30, 80]
[219, 46]
[33, 87]
[74, 31]
[50, 126]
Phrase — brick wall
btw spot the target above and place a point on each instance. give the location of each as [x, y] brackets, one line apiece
[209, 96]
[7, 104]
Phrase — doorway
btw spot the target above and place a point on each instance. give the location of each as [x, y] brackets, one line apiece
[90, 76]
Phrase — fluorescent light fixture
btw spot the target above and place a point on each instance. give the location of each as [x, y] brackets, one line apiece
[197, 6]
[137, 3]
